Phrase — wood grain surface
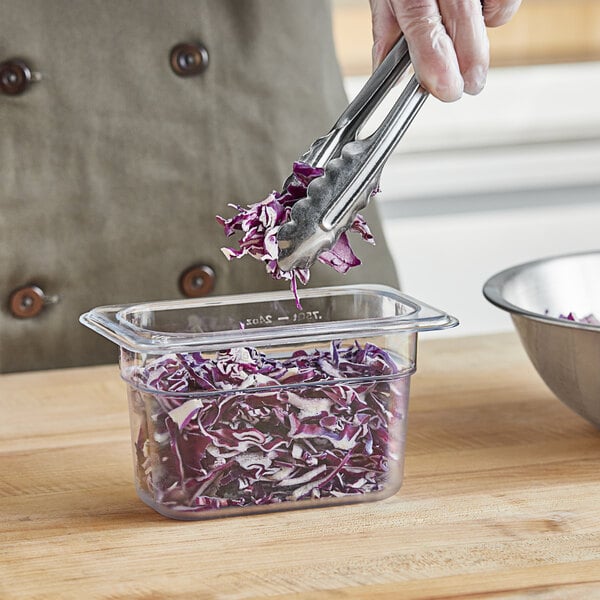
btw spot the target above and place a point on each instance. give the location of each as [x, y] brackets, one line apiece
[501, 499]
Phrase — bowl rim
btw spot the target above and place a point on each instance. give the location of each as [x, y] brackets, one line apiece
[494, 286]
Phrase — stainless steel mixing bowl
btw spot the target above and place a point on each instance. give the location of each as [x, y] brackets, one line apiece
[565, 353]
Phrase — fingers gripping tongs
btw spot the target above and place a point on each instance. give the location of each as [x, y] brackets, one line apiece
[351, 167]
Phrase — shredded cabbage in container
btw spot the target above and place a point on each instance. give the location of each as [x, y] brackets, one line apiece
[259, 223]
[241, 428]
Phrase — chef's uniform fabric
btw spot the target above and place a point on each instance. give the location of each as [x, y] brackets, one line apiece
[114, 164]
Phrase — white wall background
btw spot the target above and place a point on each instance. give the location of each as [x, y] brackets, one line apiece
[445, 259]
[492, 181]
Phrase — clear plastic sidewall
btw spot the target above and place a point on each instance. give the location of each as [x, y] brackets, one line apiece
[199, 456]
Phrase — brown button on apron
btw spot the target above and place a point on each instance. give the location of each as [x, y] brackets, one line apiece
[15, 77]
[197, 281]
[26, 302]
[188, 60]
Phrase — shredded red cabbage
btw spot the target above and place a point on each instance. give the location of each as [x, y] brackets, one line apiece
[590, 319]
[245, 429]
[259, 223]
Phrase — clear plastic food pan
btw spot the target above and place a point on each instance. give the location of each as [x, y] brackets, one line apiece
[244, 403]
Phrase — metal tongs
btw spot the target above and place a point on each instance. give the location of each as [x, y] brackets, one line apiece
[352, 167]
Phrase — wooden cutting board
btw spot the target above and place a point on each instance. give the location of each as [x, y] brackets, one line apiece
[501, 499]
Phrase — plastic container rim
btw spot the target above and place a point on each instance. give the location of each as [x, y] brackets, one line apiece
[111, 322]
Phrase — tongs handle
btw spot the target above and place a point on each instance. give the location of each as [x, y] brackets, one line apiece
[381, 81]
[351, 179]
[349, 123]
[351, 167]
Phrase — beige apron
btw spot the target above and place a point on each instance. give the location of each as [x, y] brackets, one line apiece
[113, 166]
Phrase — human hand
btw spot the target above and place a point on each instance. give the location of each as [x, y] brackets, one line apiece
[447, 39]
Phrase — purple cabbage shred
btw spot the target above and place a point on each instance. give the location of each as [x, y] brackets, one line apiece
[590, 319]
[245, 429]
[259, 223]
